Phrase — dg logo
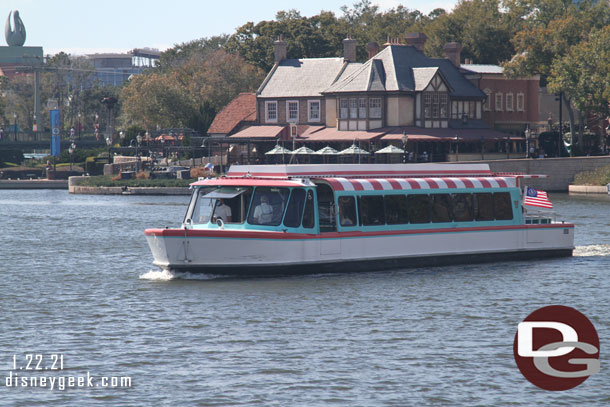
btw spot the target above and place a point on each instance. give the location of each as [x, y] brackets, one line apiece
[556, 348]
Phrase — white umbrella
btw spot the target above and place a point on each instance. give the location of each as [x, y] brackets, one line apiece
[278, 150]
[354, 149]
[303, 150]
[328, 150]
[390, 150]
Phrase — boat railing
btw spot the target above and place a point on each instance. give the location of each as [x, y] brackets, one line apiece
[540, 217]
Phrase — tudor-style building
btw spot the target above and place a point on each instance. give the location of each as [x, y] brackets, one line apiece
[398, 95]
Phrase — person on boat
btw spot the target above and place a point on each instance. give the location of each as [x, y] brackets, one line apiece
[222, 211]
[263, 213]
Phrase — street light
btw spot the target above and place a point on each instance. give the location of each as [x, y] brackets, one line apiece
[457, 147]
[15, 117]
[139, 140]
[404, 140]
[79, 126]
[109, 144]
[528, 133]
[71, 150]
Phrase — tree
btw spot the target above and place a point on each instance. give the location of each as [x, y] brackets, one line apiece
[181, 53]
[188, 95]
[551, 30]
[483, 30]
[583, 74]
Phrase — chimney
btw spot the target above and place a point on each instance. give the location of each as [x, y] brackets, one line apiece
[418, 40]
[372, 48]
[349, 49]
[279, 49]
[453, 52]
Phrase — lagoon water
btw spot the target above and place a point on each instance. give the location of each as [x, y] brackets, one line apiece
[76, 280]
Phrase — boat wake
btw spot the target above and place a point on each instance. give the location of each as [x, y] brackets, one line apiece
[592, 250]
[167, 275]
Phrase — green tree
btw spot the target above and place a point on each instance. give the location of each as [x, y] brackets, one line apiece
[182, 53]
[551, 29]
[583, 74]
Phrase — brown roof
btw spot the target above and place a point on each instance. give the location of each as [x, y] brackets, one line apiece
[241, 109]
[272, 132]
[333, 134]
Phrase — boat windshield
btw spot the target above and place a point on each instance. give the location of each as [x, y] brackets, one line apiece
[229, 204]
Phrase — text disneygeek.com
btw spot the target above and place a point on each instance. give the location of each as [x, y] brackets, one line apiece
[66, 382]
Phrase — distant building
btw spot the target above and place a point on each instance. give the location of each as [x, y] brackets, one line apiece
[114, 69]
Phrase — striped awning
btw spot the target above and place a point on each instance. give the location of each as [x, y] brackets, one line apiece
[381, 184]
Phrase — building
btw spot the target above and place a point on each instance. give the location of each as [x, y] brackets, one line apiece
[114, 69]
[430, 106]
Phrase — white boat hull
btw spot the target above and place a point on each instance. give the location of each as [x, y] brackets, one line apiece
[242, 252]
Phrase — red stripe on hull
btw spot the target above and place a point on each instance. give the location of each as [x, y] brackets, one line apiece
[250, 234]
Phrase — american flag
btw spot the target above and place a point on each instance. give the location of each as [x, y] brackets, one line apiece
[535, 197]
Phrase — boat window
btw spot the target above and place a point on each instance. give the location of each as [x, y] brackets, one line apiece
[441, 208]
[294, 212]
[396, 209]
[204, 207]
[347, 211]
[462, 207]
[419, 208]
[269, 205]
[371, 211]
[309, 215]
[226, 203]
[502, 206]
[484, 208]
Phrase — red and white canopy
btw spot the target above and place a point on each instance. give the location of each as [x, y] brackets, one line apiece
[383, 184]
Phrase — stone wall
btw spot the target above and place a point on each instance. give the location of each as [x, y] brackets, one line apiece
[560, 171]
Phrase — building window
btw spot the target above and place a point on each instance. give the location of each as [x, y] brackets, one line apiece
[520, 102]
[292, 111]
[509, 102]
[435, 105]
[343, 108]
[499, 102]
[313, 110]
[375, 108]
[362, 108]
[353, 108]
[271, 112]
[487, 104]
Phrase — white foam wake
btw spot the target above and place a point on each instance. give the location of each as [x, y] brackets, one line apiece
[592, 250]
[158, 275]
[166, 275]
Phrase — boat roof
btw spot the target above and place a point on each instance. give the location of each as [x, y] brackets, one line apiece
[384, 184]
[251, 182]
[359, 170]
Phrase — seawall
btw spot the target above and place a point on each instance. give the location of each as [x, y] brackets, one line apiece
[74, 188]
[33, 184]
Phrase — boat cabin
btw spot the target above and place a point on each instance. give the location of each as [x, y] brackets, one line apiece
[337, 199]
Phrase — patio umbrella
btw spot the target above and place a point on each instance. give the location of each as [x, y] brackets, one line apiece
[354, 149]
[328, 150]
[390, 150]
[303, 150]
[278, 150]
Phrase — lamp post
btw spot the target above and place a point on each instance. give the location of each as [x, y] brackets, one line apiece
[528, 133]
[79, 125]
[96, 126]
[109, 144]
[507, 145]
[35, 128]
[71, 150]
[15, 124]
[139, 140]
[404, 140]
[457, 148]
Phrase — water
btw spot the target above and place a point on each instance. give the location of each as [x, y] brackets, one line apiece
[77, 280]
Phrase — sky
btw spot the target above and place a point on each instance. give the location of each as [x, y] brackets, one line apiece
[80, 27]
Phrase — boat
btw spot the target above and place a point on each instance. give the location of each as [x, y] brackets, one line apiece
[296, 219]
